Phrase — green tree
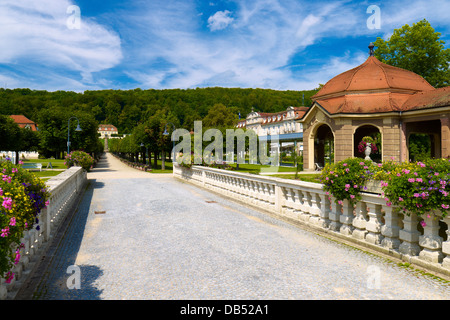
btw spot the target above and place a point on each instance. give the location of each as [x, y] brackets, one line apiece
[417, 48]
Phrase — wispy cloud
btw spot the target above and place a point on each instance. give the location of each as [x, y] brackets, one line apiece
[38, 33]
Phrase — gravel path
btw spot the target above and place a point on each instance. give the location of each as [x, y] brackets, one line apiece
[160, 238]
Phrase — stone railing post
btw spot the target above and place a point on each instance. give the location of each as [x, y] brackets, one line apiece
[409, 235]
[374, 224]
[390, 230]
[346, 218]
[446, 244]
[335, 214]
[431, 242]
[360, 221]
[325, 207]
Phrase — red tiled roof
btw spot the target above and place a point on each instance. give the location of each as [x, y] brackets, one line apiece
[428, 99]
[108, 127]
[370, 88]
[23, 121]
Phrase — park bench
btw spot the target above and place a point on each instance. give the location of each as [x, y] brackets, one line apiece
[32, 166]
[318, 167]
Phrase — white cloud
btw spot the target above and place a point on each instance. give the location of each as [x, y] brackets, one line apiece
[220, 20]
[38, 33]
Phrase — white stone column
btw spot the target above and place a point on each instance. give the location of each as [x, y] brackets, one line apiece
[409, 235]
[431, 242]
[446, 244]
[325, 207]
[391, 228]
[360, 221]
[346, 218]
[315, 210]
[335, 213]
[374, 224]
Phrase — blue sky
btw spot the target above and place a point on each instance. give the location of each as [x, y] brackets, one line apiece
[275, 44]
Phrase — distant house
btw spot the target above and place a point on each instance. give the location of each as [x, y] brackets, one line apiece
[24, 122]
[106, 130]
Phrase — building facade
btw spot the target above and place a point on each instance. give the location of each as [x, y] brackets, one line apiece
[106, 130]
[283, 126]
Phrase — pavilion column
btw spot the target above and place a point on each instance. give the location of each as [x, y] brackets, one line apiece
[445, 137]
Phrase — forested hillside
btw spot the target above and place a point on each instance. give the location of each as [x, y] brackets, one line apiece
[127, 108]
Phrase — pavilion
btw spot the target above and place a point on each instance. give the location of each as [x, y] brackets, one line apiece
[375, 99]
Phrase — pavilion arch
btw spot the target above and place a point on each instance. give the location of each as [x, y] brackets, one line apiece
[321, 145]
[368, 129]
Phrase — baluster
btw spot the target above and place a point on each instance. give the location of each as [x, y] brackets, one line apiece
[305, 215]
[391, 228]
[360, 221]
[325, 204]
[346, 218]
[373, 226]
[431, 242]
[409, 235]
[335, 214]
[315, 210]
[446, 244]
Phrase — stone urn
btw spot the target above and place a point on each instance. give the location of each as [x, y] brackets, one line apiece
[368, 151]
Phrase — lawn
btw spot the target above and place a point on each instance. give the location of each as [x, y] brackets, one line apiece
[56, 163]
[257, 168]
[302, 177]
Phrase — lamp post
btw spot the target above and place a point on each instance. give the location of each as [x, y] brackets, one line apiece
[68, 132]
[166, 133]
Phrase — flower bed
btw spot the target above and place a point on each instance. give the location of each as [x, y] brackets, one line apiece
[79, 158]
[22, 196]
[419, 188]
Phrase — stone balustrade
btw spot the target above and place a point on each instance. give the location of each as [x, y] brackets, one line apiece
[370, 224]
[64, 189]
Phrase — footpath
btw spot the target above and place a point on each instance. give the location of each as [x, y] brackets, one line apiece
[143, 236]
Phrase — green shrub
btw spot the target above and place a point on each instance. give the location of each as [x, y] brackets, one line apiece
[79, 158]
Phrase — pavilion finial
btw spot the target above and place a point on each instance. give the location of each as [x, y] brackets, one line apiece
[371, 52]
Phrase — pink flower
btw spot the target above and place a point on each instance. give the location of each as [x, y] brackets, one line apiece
[411, 180]
[5, 232]
[347, 170]
[400, 199]
[340, 202]
[20, 162]
[344, 164]
[1, 191]
[7, 203]
[347, 186]
[419, 180]
[445, 206]
[6, 178]
[423, 223]
[12, 221]
[352, 196]
[9, 277]
[14, 170]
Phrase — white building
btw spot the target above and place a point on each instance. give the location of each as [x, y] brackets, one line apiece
[106, 130]
[284, 125]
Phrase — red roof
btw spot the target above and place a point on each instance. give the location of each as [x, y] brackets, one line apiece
[369, 88]
[23, 121]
